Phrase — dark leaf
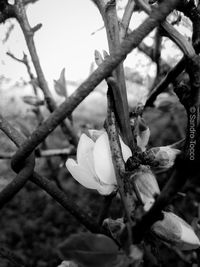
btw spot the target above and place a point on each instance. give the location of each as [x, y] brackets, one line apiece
[91, 250]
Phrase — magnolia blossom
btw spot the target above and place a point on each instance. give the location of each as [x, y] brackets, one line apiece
[94, 168]
[174, 230]
[146, 186]
[165, 155]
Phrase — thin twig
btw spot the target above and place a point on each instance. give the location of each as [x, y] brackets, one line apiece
[94, 79]
[24, 170]
[38, 113]
[69, 151]
[185, 46]
[28, 32]
[169, 78]
[126, 19]
[69, 205]
[50, 187]
[109, 15]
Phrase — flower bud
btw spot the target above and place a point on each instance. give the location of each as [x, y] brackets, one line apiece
[175, 231]
[164, 155]
[143, 134]
[146, 186]
[98, 57]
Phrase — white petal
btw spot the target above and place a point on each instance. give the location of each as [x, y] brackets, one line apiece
[190, 239]
[81, 175]
[85, 154]
[106, 189]
[126, 152]
[143, 139]
[102, 160]
[148, 204]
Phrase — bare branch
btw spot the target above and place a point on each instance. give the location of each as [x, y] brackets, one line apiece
[28, 32]
[27, 173]
[69, 151]
[94, 79]
[26, 2]
[171, 32]
[126, 18]
[109, 15]
[169, 78]
[117, 157]
[24, 170]
[15, 58]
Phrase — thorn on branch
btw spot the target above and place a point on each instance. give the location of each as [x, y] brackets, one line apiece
[37, 27]
[15, 58]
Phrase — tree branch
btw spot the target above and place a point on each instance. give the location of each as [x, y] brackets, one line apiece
[44, 153]
[171, 33]
[117, 157]
[27, 173]
[20, 15]
[109, 15]
[126, 19]
[169, 78]
[94, 79]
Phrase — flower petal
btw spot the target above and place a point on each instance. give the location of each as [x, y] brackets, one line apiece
[143, 139]
[95, 134]
[106, 189]
[102, 160]
[126, 152]
[81, 175]
[85, 154]
[148, 204]
[168, 229]
[189, 238]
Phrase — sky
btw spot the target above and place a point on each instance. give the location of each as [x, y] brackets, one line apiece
[65, 39]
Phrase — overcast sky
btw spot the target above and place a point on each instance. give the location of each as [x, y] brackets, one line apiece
[65, 40]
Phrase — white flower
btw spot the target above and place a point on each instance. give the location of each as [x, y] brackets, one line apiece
[94, 168]
[11, 2]
[165, 155]
[174, 230]
[146, 186]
